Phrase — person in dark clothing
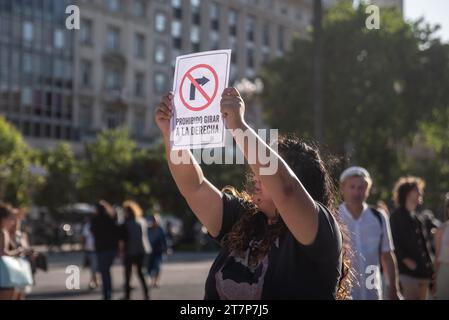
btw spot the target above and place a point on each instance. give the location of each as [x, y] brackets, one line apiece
[411, 243]
[105, 232]
[158, 242]
[134, 246]
[431, 224]
[279, 239]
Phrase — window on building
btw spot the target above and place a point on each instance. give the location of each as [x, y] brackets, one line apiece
[215, 16]
[37, 98]
[4, 62]
[214, 40]
[68, 107]
[160, 22]
[177, 43]
[28, 63]
[5, 27]
[266, 35]
[139, 123]
[176, 29]
[250, 73]
[58, 100]
[58, 69]
[160, 82]
[174, 54]
[195, 34]
[196, 11]
[37, 129]
[85, 115]
[47, 36]
[196, 47]
[177, 9]
[114, 118]
[47, 131]
[113, 38]
[26, 128]
[26, 97]
[86, 73]
[234, 47]
[233, 74]
[28, 31]
[68, 133]
[250, 58]
[176, 32]
[139, 84]
[58, 39]
[265, 56]
[139, 8]
[68, 71]
[86, 32]
[196, 4]
[139, 46]
[57, 132]
[281, 41]
[250, 28]
[48, 99]
[160, 53]
[113, 5]
[232, 21]
[113, 79]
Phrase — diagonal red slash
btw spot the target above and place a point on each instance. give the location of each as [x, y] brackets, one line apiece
[200, 89]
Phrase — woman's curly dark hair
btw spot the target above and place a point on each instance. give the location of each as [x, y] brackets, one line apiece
[305, 161]
[404, 186]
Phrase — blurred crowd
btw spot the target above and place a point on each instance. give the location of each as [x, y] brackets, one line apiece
[399, 255]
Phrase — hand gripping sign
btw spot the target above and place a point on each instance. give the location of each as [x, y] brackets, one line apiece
[199, 81]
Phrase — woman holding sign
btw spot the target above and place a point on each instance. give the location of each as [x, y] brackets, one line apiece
[279, 238]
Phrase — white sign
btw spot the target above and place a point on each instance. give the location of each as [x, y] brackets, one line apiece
[199, 82]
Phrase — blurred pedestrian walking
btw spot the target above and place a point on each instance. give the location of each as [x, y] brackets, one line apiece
[369, 237]
[158, 242]
[105, 232]
[134, 246]
[410, 239]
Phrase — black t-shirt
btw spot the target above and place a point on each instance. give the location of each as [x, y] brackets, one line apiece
[290, 270]
[105, 232]
[411, 241]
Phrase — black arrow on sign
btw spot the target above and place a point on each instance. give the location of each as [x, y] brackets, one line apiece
[201, 81]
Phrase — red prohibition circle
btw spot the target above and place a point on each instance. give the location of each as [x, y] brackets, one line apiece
[209, 99]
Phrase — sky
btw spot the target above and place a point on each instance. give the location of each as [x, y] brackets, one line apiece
[433, 11]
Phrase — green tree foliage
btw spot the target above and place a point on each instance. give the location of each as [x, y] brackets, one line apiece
[103, 171]
[15, 178]
[379, 85]
[59, 186]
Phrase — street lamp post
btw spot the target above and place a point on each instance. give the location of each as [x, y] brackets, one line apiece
[317, 70]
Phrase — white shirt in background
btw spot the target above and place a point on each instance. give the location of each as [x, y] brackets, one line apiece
[366, 239]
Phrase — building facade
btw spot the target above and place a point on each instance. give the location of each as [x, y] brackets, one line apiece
[37, 69]
[112, 72]
[399, 4]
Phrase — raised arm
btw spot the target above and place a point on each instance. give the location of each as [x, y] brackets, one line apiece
[295, 205]
[204, 199]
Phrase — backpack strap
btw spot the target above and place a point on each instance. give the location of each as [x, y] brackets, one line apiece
[378, 216]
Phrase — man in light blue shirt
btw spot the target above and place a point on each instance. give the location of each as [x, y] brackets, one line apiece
[369, 237]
